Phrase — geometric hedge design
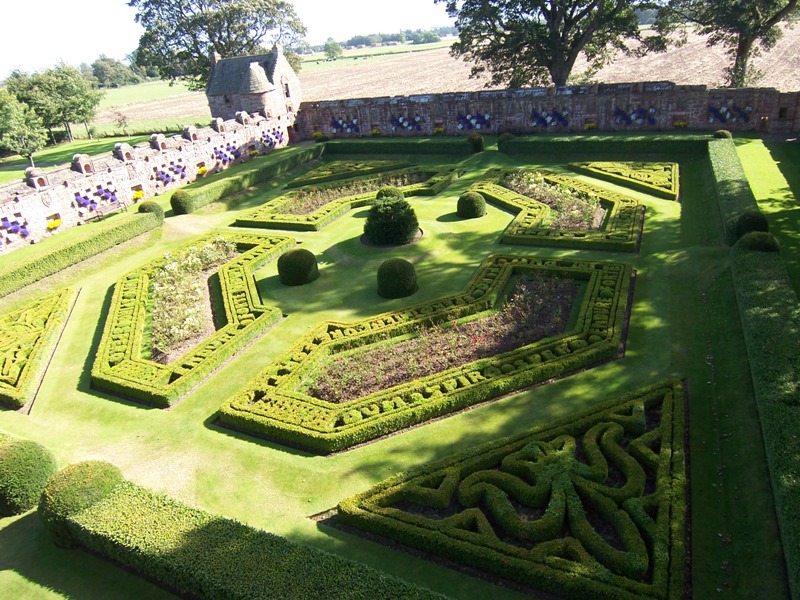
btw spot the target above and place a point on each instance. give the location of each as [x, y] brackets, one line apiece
[276, 214]
[659, 179]
[345, 169]
[619, 232]
[27, 336]
[275, 404]
[121, 369]
[590, 507]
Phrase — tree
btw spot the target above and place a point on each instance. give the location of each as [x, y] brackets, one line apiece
[180, 36]
[21, 130]
[109, 72]
[743, 27]
[332, 49]
[533, 42]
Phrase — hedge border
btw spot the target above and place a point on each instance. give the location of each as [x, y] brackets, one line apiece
[672, 193]
[271, 216]
[620, 231]
[371, 167]
[607, 146]
[31, 374]
[272, 405]
[435, 485]
[119, 368]
[28, 271]
[455, 146]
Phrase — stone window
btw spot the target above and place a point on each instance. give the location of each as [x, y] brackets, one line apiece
[783, 113]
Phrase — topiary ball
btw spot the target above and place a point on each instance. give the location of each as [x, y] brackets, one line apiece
[25, 469]
[297, 267]
[391, 222]
[181, 202]
[72, 490]
[723, 134]
[749, 220]
[390, 192]
[397, 278]
[476, 141]
[148, 206]
[471, 205]
[506, 137]
[759, 241]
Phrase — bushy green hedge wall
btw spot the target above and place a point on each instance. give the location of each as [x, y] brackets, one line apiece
[607, 146]
[200, 555]
[457, 146]
[25, 469]
[196, 196]
[100, 237]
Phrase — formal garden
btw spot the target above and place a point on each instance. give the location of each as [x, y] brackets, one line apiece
[543, 366]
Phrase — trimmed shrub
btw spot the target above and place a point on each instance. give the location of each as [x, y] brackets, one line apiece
[391, 222]
[476, 141]
[752, 219]
[152, 207]
[734, 195]
[397, 278]
[73, 490]
[181, 202]
[298, 266]
[505, 137]
[25, 468]
[723, 134]
[760, 241]
[471, 205]
[390, 192]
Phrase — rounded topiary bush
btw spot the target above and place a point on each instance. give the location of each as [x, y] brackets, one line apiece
[181, 202]
[476, 141]
[471, 205]
[505, 137]
[723, 134]
[148, 206]
[391, 222]
[25, 469]
[760, 241]
[390, 192]
[749, 220]
[297, 267]
[72, 490]
[397, 278]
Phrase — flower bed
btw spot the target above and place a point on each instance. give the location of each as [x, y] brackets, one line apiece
[659, 179]
[325, 204]
[274, 405]
[119, 366]
[620, 230]
[589, 507]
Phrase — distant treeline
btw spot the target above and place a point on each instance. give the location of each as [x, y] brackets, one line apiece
[407, 36]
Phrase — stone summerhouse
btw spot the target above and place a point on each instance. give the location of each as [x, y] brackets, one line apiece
[263, 84]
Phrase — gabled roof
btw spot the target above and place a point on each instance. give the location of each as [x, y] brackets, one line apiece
[243, 74]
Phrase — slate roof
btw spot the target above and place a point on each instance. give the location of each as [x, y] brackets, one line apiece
[243, 75]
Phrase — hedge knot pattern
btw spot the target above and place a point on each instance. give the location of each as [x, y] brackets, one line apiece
[656, 178]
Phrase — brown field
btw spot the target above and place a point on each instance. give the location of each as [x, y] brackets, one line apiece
[435, 71]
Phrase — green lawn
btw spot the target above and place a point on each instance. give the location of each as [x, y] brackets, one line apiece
[140, 93]
[684, 323]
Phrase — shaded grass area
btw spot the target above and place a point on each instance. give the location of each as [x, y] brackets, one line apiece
[684, 323]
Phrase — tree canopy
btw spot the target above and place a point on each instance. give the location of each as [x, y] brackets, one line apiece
[743, 27]
[333, 49]
[21, 130]
[180, 35]
[535, 42]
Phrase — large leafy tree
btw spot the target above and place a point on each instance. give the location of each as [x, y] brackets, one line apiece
[535, 42]
[21, 130]
[743, 27]
[180, 35]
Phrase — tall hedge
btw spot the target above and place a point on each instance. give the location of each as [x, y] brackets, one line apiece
[200, 555]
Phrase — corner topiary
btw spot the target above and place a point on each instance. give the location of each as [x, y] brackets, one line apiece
[397, 278]
[148, 206]
[759, 241]
[25, 469]
[749, 220]
[471, 205]
[390, 192]
[391, 222]
[181, 202]
[72, 490]
[723, 134]
[297, 267]
[476, 141]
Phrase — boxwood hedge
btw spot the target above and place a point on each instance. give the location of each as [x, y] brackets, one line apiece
[660, 179]
[25, 469]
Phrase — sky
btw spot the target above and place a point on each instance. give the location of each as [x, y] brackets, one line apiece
[39, 34]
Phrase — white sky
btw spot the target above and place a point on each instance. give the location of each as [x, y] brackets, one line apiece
[39, 34]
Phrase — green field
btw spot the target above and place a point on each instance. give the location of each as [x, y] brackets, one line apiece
[142, 92]
[684, 324]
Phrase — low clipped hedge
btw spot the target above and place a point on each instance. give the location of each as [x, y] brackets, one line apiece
[629, 174]
[197, 554]
[607, 146]
[455, 146]
[734, 195]
[193, 197]
[397, 278]
[770, 314]
[527, 507]
[297, 266]
[346, 169]
[273, 405]
[25, 469]
[471, 205]
[119, 366]
[101, 237]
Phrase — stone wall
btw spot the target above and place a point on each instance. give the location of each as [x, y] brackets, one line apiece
[651, 106]
[49, 202]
